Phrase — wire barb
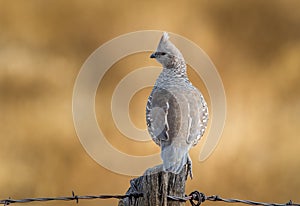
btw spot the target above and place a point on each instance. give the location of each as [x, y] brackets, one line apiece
[75, 197]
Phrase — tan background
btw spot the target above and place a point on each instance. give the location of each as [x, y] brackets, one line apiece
[254, 44]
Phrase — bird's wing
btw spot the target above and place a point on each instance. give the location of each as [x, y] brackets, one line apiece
[198, 116]
[161, 115]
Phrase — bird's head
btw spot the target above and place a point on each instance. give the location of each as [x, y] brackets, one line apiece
[166, 52]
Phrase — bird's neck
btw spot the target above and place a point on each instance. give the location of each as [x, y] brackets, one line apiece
[177, 67]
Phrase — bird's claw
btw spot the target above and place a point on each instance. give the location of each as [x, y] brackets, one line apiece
[189, 171]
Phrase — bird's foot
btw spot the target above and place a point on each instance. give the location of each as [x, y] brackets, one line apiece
[189, 171]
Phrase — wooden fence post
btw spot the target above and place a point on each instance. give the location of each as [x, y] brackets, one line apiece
[156, 184]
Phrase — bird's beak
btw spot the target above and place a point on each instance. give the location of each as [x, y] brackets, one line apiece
[153, 55]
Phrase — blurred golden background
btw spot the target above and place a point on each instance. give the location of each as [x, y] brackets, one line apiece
[254, 44]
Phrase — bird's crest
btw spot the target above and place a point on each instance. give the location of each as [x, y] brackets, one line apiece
[165, 45]
[164, 38]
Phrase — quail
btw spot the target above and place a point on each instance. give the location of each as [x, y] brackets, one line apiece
[176, 112]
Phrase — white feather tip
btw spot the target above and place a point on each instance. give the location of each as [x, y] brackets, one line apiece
[165, 36]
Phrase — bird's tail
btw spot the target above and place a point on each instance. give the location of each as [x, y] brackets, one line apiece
[174, 158]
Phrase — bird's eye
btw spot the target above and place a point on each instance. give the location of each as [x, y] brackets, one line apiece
[163, 53]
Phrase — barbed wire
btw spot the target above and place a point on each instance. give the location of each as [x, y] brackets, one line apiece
[69, 198]
[195, 198]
